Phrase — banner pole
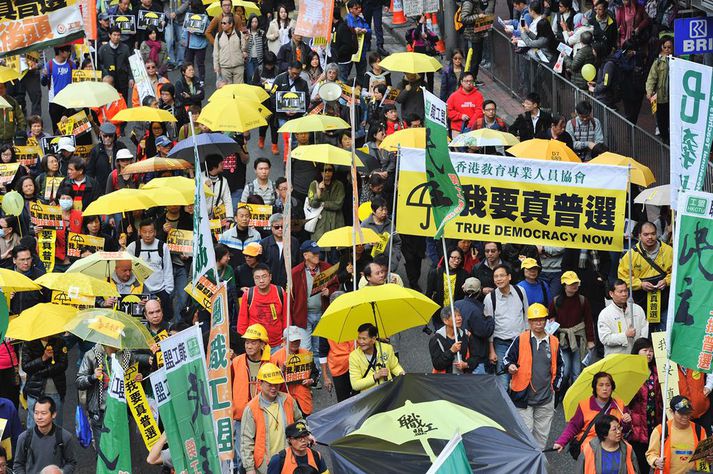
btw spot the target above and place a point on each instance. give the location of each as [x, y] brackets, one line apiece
[356, 225]
[630, 299]
[450, 294]
[287, 227]
[393, 212]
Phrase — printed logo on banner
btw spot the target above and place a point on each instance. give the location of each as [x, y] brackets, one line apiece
[149, 18]
[195, 23]
[693, 35]
[125, 23]
[289, 101]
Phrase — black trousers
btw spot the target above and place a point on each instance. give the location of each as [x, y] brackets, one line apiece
[342, 386]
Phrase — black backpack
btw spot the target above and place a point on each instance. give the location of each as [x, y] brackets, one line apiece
[138, 250]
[58, 442]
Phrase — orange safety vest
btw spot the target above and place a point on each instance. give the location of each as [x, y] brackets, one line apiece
[523, 377]
[615, 410]
[260, 430]
[667, 442]
[590, 461]
[241, 385]
[338, 357]
[301, 393]
[291, 461]
[690, 385]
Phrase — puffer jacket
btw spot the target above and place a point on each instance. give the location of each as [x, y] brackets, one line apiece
[470, 9]
[637, 407]
[38, 370]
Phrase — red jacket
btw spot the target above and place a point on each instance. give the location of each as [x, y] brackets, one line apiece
[637, 408]
[298, 299]
[468, 103]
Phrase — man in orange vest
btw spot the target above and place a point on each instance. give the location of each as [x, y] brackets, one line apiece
[265, 418]
[682, 438]
[299, 389]
[245, 369]
[534, 361]
[299, 452]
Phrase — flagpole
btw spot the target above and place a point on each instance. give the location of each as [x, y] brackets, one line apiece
[450, 294]
[287, 227]
[355, 191]
[393, 212]
[630, 299]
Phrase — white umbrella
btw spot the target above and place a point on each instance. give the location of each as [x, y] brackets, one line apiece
[658, 196]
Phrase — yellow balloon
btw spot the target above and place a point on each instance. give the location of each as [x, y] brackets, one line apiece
[364, 210]
[589, 72]
[12, 203]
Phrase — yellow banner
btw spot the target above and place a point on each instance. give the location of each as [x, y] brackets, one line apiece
[80, 123]
[7, 172]
[380, 247]
[159, 354]
[139, 406]
[653, 306]
[52, 184]
[83, 75]
[79, 243]
[45, 244]
[44, 215]
[516, 200]
[78, 301]
[298, 367]
[180, 241]
[259, 214]
[203, 292]
[28, 155]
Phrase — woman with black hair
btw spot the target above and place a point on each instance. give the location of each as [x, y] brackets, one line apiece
[48, 180]
[92, 225]
[280, 30]
[646, 406]
[152, 48]
[190, 89]
[608, 452]
[255, 45]
[264, 77]
[438, 288]
[7, 156]
[147, 146]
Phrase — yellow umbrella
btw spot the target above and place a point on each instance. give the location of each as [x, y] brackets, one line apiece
[541, 149]
[8, 74]
[250, 8]
[325, 153]
[15, 281]
[342, 237]
[231, 116]
[410, 62]
[484, 137]
[86, 94]
[240, 91]
[123, 200]
[111, 328]
[313, 123]
[144, 114]
[178, 183]
[640, 174]
[102, 264]
[407, 138]
[75, 284]
[157, 163]
[41, 320]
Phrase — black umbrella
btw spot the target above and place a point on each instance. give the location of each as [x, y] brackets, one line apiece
[208, 143]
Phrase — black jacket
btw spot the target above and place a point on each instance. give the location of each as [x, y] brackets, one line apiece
[115, 63]
[411, 100]
[480, 326]
[273, 258]
[288, 53]
[344, 43]
[38, 371]
[100, 165]
[282, 83]
[192, 99]
[522, 127]
[23, 300]
[441, 356]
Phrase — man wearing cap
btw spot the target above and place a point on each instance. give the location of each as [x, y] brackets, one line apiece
[534, 361]
[537, 290]
[298, 452]
[264, 421]
[480, 326]
[300, 389]
[274, 248]
[307, 308]
[244, 370]
[265, 304]
[102, 158]
[682, 438]
[163, 146]
[443, 346]
[244, 272]
[12, 120]
[117, 179]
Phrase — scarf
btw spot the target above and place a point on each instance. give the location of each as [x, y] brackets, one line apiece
[155, 49]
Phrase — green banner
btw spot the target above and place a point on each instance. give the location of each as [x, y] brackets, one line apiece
[114, 454]
[168, 419]
[691, 320]
[447, 200]
[186, 374]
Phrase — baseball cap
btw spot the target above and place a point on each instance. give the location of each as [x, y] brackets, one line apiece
[162, 140]
[529, 263]
[103, 16]
[293, 333]
[124, 154]
[108, 128]
[252, 249]
[65, 143]
[297, 430]
[270, 373]
[681, 404]
[310, 246]
[471, 285]
[570, 278]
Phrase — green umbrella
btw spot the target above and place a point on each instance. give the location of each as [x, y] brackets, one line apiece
[439, 419]
[111, 328]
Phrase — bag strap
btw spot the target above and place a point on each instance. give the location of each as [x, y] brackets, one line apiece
[653, 264]
[372, 364]
[594, 420]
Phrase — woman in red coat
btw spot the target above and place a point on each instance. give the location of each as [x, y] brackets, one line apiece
[646, 407]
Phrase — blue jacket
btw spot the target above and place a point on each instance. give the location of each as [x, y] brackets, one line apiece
[13, 429]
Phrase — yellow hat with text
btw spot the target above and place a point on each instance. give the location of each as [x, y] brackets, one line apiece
[270, 373]
[536, 311]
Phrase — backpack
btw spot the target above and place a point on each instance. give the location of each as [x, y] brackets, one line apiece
[558, 302]
[251, 295]
[58, 442]
[518, 290]
[138, 250]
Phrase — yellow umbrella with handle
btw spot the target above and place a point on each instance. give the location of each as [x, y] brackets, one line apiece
[41, 320]
[77, 284]
[342, 237]
[86, 94]
[250, 8]
[409, 62]
[123, 200]
[325, 153]
[541, 149]
[313, 123]
[240, 91]
[144, 114]
[231, 116]
[12, 281]
[406, 138]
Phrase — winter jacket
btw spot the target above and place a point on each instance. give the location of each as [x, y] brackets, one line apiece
[585, 55]
[38, 370]
[609, 34]
[411, 100]
[228, 50]
[332, 198]
[394, 239]
[435, 286]
[591, 459]
[23, 300]
[344, 43]
[540, 36]
[96, 391]
[480, 326]
[196, 94]
[288, 53]
[469, 12]
[641, 21]
[100, 165]
[442, 357]
[637, 407]
[608, 79]
[115, 63]
[273, 34]
[214, 26]
[464, 103]
[657, 81]
[273, 257]
[522, 126]
[298, 302]
[449, 81]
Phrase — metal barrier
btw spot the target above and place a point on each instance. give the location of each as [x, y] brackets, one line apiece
[520, 75]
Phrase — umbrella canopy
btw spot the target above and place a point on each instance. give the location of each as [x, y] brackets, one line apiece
[231, 116]
[509, 448]
[313, 123]
[157, 164]
[144, 114]
[4, 104]
[325, 153]
[342, 237]
[123, 200]
[111, 328]
[640, 174]
[410, 62]
[658, 196]
[629, 372]
[208, 143]
[180, 184]
[86, 94]
[392, 309]
[8, 74]
[102, 265]
[484, 137]
[250, 8]
[405, 138]
[42, 320]
[540, 149]
[240, 91]
[75, 284]
[15, 281]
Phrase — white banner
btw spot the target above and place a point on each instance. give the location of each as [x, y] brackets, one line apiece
[691, 118]
[141, 77]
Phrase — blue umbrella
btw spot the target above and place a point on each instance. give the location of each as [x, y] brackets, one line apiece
[208, 143]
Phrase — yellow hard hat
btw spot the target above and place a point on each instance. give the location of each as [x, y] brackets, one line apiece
[570, 278]
[270, 373]
[536, 311]
[256, 332]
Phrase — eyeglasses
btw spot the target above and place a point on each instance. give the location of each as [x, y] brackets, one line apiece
[277, 227]
[490, 109]
[224, 23]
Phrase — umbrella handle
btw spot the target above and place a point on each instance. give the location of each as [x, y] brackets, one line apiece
[428, 449]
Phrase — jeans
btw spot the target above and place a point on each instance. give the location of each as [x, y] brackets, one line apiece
[572, 364]
[251, 65]
[480, 370]
[344, 70]
[375, 11]
[312, 342]
[180, 280]
[31, 410]
[236, 445]
[553, 279]
[501, 348]
[176, 50]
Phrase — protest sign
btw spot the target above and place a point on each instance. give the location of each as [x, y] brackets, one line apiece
[195, 23]
[167, 415]
[314, 19]
[517, 200]
[49, 143]
[27, 155]
[37, 25]
[322, 279]
[114, 449]
[7, 172]
[219, 373]
[80, 243]
[46, 247]
[180, 241]
[83, 75]
[78, 301]
[141, 77]
[52, 184]
[290, 101]
[80, 123]
[125, 22]
[202, 292]
[658, 339]
[150, 18]
[159, 354]
[83, 150]
[298, 367]
[46, 216]
[139, 406]
[259, 214]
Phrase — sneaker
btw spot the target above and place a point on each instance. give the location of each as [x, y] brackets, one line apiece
[274, 149]
[382, 51]
[261, 142]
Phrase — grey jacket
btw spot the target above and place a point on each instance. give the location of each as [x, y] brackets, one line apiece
[597, 448]
[43, 452]
[96, 398]
[394, 239]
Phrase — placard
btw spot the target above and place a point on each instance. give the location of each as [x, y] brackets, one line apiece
[195, 23]
[141, 76]
[83, 75]
[46, 216]
[159, 353]
[298, 367]
[148, 18]
[83, 150]
[27, 155]
[80, 123]
[125, 23]
[483, 23]
[139, 407]
[203, 292]
[180, 241]
[77, 244]
[291, 102]
[259, 214]
[49, 144]
[52, 184]
[7, 172]
[322, 279]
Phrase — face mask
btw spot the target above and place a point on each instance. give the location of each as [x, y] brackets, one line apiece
[2, 233]
[65, 204]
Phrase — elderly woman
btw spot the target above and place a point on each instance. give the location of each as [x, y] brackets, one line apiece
[328, 193]
[331, 74]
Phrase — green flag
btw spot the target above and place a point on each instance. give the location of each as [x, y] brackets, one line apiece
[168, 419]
[690, 318]
[447, 199]
[114, 454]
[4, 316]
[452, 460]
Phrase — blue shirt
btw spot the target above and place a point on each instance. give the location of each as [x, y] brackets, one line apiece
[534, 292]
[60, 76]
[610, 461]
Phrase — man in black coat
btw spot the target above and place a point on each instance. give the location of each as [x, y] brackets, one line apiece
[272, 253]
[114, 61]
[78, 185]
[45, 362]
[100, 164]
[290, 80]
[533, 121]
[22, 300]
[293, 51]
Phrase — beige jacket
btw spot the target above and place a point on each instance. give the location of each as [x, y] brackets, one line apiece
[228, 51]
